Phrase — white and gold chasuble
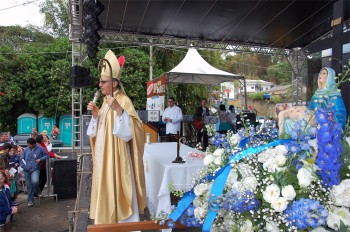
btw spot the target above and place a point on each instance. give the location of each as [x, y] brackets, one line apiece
[124, 191]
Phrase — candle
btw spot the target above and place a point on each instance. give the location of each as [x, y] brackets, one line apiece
[148, 138]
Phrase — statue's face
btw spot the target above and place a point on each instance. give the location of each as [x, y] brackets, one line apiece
[322, 78]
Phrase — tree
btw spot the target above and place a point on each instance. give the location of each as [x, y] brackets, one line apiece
[56, 16]
[252, 66]
[17, 36]
[280, 73]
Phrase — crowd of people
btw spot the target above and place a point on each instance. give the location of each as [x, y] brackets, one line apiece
[22, 170]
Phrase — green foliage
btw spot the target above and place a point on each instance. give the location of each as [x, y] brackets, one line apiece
[136, 74]
[276, 99]
[257, 96]
[252, 66]
[34, 80]
[345, 157]
[280, 73]
[189, 96]
[16, 35]
[56, 18]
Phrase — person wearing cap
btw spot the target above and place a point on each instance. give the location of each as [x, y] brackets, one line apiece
[117, 142]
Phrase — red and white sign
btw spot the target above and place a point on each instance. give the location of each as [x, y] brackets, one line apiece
[156, 94]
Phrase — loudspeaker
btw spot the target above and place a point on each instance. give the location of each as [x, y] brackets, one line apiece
[162, 129]
[79, 77]
[64, 178]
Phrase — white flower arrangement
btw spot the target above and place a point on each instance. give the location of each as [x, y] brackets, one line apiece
[270, 185]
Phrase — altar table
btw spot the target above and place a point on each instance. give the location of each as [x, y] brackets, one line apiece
[160, 172]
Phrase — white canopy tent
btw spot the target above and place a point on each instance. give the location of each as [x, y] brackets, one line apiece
[193, 69]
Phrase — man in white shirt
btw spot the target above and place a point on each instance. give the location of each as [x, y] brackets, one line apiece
[172, 116]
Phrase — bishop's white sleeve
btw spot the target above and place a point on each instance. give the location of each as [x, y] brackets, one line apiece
[92, 129]
[122, 127]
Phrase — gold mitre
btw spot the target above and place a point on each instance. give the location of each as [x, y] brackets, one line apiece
[113, 61]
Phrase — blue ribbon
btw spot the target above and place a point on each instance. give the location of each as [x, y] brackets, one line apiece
[220, 180]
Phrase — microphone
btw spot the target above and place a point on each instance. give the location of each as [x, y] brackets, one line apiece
[94, 100]
[96, 95]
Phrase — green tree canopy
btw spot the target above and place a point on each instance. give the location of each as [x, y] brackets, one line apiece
[280, 73]
[56, 16]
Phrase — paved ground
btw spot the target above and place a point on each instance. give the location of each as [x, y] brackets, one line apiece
[48, 216]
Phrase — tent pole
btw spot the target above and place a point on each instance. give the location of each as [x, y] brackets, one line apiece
[245, 94]
[150, 62]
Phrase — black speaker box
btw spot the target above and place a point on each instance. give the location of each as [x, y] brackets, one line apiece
[64, 178]
[79, 77]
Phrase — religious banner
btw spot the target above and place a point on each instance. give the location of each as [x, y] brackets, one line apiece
[156, 94]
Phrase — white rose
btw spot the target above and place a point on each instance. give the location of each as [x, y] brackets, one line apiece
[208, 159]
[200, 189]
[343, 213]
[250, 183]
[218, 160]
[271, 193]
[232, 178]
[333, 221]
[197, 202]
[271, 227]
[245, 170]
[335, 215]
[288, 192]
[247, 226]
[280, 204]
[270, 165]
[207, 193]
[218, 152]
[319, 229]
[280, 159]
[305, 177]
[263, 156]
[200, 213]
[281, 149]
[340, 194]
[238, 186]
[235, 139]
[348, 140]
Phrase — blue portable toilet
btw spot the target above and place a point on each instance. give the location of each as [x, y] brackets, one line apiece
[65, 126]
[25, 123]
[45, 123]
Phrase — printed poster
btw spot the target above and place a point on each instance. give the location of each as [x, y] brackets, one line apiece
[156, 94]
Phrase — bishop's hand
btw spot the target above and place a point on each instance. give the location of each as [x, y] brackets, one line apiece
[93, 108]
[114, 104]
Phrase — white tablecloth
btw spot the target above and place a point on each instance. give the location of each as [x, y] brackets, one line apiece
[160, 172]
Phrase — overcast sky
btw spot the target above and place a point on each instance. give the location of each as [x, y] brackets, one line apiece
[20, 14]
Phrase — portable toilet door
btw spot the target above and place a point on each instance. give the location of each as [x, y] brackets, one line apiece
[65, 126]
[25, 123]
[46, 123]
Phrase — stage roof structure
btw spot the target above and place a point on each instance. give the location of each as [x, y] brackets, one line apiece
[259, 26]
[193, 69]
